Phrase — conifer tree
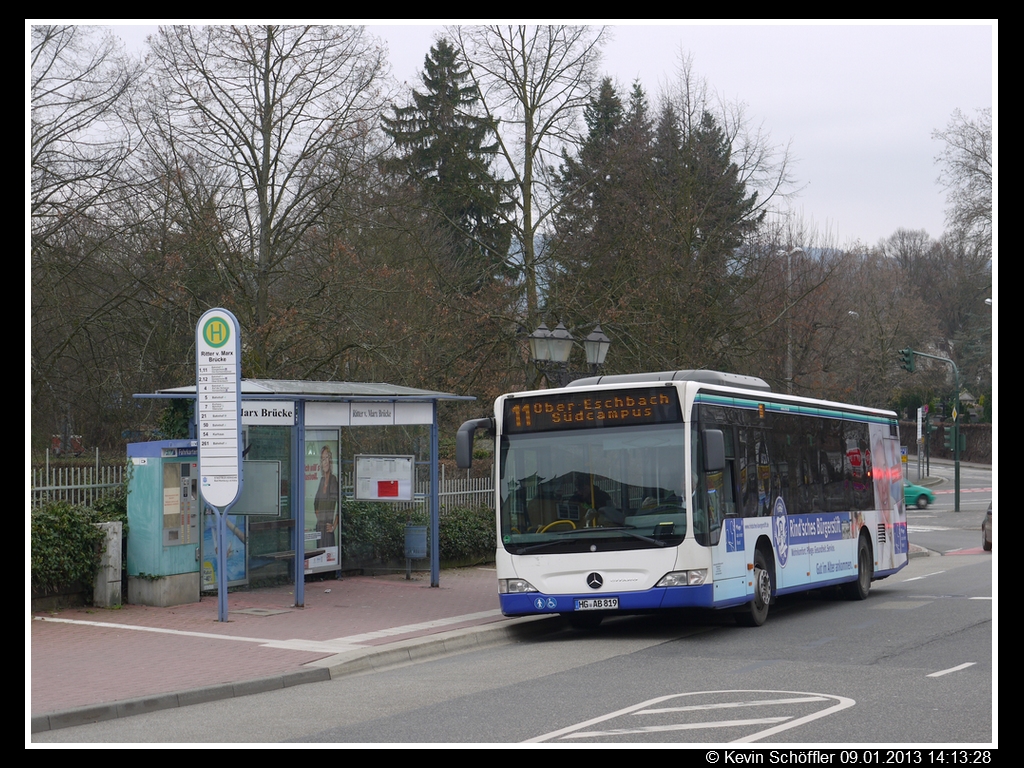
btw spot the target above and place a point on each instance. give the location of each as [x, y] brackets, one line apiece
[445, 150]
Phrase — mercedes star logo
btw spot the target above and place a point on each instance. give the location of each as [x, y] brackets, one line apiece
[594, 581]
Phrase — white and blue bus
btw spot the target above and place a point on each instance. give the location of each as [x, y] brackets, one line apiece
[654, 491]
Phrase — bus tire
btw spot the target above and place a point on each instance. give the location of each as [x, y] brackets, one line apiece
[859, 589]
[755, 612]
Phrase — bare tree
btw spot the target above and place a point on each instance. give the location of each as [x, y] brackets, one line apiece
[535, 82]
[79, 83]
[80, 76]
[966, 161]
[268, 106]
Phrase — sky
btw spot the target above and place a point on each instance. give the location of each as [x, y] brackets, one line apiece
[856, 103]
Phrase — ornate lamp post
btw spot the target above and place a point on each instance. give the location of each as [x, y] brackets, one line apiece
[549, 351]
[596, 346]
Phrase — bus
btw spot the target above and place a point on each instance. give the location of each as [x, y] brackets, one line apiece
[687, 489]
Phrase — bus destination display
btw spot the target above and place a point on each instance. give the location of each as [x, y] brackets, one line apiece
[590, 409]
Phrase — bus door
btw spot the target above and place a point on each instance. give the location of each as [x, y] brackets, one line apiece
[725, 524]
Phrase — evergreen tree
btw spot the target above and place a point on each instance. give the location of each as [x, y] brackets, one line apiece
[603, 192]
[722, 212]
[648, 239]
[445, 155]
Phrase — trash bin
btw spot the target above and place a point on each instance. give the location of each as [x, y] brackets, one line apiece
[415, 542]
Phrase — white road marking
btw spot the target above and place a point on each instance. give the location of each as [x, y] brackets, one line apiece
[335, 645]
[677, 727]
[109, 625]
[649, 707]
[731, 704]
[918, 578]
[952, 669]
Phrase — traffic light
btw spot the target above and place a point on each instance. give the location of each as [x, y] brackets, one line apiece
[907, 359]
[950, 438]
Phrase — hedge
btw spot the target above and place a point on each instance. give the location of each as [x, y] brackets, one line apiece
[66, 541]
[65, 546]
[374, 532]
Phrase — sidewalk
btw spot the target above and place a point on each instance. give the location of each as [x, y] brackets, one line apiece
[92, 664]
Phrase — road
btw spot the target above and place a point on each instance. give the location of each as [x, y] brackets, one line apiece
[940, 529]
[910, 665]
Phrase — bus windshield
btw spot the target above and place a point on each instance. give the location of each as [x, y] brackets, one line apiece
[592, 490]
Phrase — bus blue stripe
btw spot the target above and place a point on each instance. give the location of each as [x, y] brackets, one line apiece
[534, 603]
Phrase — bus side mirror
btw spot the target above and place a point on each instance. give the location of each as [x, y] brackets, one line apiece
[714, 450]
[464, 440]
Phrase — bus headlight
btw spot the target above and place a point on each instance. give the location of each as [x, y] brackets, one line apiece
[513, 586]
[693, 578]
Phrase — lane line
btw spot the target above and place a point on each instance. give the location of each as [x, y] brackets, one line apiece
[952, 669]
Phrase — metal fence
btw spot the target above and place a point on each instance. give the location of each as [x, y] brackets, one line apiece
[77, 485]
[464, 492]
[83, 485]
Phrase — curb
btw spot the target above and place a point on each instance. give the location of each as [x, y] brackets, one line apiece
[370, 659]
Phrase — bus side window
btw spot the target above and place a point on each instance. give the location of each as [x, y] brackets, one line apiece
[730, 487]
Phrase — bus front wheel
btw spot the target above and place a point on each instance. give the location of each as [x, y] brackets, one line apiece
[755, 612]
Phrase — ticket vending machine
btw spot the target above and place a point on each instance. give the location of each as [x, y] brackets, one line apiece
[164, 522]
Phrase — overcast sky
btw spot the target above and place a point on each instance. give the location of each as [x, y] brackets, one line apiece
[857, 103]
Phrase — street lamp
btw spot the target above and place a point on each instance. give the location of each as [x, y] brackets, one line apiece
[540, 349]
[596, 346]
[560, 344]
[788, 325]
[550, 350]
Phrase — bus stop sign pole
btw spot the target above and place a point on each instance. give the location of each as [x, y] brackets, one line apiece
[219, 421]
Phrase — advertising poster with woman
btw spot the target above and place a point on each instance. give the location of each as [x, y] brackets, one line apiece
[323, 497]
[887, 473]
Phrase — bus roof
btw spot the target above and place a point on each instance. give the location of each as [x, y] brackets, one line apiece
[702, 376]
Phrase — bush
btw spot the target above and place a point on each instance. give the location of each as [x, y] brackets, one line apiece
[113, 508]
[375, 532]
[467, 534]
[65, 546]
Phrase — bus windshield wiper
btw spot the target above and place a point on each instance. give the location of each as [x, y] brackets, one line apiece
[624, 529]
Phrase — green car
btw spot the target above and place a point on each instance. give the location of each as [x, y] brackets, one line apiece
[917, 494]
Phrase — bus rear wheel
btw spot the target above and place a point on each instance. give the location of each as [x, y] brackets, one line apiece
[858, 590]
[755, 612]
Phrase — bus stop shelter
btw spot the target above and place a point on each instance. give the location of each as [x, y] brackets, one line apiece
[298, 419]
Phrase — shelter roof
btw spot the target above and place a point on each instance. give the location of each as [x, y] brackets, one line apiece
[322, 390]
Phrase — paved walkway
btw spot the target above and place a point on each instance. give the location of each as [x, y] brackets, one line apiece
[90, 664]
